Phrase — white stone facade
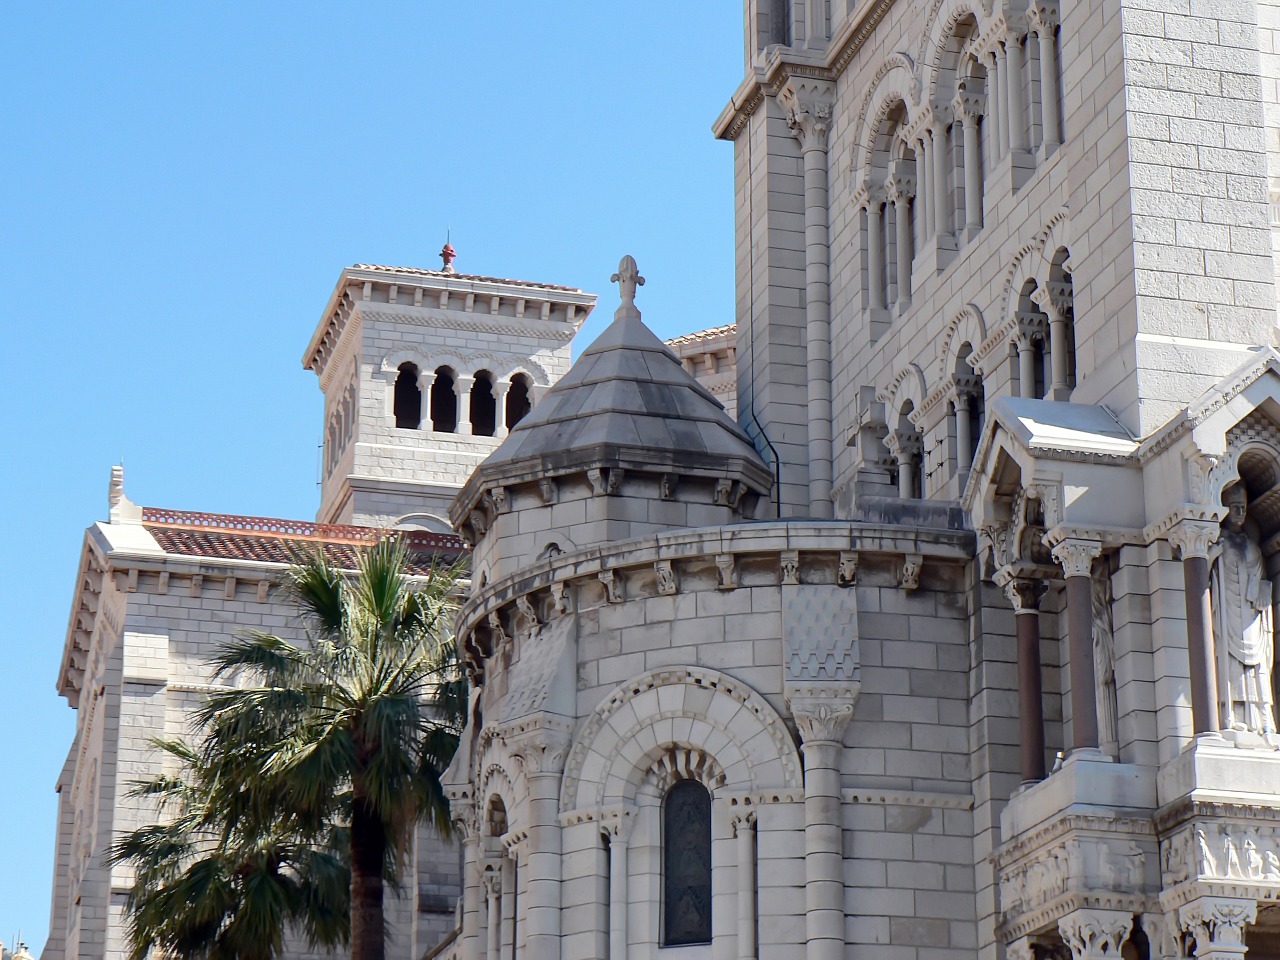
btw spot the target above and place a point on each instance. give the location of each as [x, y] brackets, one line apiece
[918, 653]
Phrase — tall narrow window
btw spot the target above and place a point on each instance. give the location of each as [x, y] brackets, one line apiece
[407, 402]
[444, 403]
[686, 865]
[484, 409]
[517, 400]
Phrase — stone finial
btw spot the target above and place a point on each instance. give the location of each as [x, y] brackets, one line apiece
[628, 279]
[448, 254]
[120, 509]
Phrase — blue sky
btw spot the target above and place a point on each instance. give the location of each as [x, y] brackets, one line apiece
[183, 182]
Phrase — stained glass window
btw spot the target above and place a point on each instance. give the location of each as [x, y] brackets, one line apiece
[686, 865]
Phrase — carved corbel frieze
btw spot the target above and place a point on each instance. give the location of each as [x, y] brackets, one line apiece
[496, 500]
[499, 638]
[562, 598]
[728, 493]
[1095, 934]
[547, 490]
[789, 566]
[912, 564]
[527, 620]
[726, 571]
[667, 486]
[605, 481]
[665, 576]
[847, 568]
[479, 521]
[612, 588]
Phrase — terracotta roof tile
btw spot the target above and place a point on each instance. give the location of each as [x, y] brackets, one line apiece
[699, 336]
[420, 272]
[268, 540]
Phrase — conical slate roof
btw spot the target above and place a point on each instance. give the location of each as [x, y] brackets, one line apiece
[626, 402]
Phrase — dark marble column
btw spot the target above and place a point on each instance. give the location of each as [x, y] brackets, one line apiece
[1025, 593]
[1193, 539]
[1076, 557]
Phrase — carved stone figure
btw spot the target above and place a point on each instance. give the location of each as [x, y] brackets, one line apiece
[1242, 624]
[1104, 660]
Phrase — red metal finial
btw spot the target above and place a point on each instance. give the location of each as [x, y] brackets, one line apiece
[447, 254]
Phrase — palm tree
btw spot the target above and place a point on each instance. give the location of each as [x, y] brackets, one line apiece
[354, 727]
[213, 885]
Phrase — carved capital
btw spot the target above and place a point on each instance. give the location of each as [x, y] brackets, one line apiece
[742, 819]
[969, 105]
[726, 572]
[616, 824]
[1095, 934]
[1218, 924]
[809, 108]
[821, 720]
[1025, 594]
[1053, 307]
[1193, 538]
[542, 750]
[491, 880]
[1043, 15]
[1077, 556]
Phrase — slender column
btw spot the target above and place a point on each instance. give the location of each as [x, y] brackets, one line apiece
[968, 107]
[462, 390]
[875, 253]
[1060, 389]
[1026, 365]
[1002, 99]
[905, 445]
[1017, 93]
[744, 826]
[944, 207]
[616, 830]
[543, 755]
[964, 436]
[507, 907]
[493, 914]
[1044, 17]
[815, 25]
[425, 382]
[901, 187]
[1218, 926]
[1193, 538]
[1095, 934]
[822, 723]
[473, 891]
[994, 119]
[926, 195]
[1076, 557]
[810, 121]
[499, 391]
[1025, 594]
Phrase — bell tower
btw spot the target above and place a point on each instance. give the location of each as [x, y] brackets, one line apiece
[423, 373]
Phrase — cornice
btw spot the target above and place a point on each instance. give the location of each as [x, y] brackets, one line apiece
[783, 64]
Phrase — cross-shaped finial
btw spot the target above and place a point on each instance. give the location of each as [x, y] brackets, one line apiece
[628, 279]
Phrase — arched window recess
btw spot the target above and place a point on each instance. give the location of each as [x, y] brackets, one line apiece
[444, 401]
[407, 398]
[686, 864]
[906, 446]
[483, 405]
[519, 399]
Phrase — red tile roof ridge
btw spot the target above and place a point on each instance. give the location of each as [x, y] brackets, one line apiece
[696, 336]
[290, 529]
[445, 275]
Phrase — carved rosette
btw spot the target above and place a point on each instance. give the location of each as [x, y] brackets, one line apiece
[1095, 934]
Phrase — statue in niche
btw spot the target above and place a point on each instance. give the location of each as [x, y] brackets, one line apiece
[1104, 659]
[1242, 623]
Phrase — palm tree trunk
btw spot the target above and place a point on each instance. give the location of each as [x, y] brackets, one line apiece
[368, 852]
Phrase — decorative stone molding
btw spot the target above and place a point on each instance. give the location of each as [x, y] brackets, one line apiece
[908, 798]
[684, 763]
[1221, 858]
[1095, 934]
[562, 598]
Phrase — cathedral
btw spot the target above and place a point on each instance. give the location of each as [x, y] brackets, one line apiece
[926, 612]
